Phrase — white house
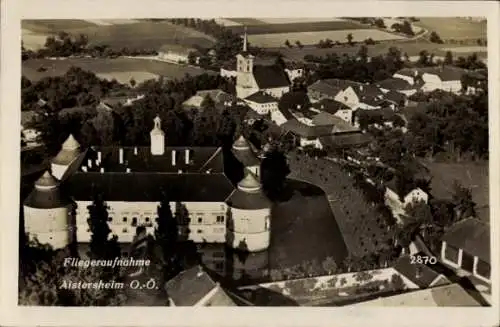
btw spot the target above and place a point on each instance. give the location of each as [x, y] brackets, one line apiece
[175, 54]
[444, 78]
[398, 201]
[262, 102]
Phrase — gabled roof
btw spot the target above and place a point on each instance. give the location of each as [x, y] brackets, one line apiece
[344, 141]
[395, 84]
[248, 195]
[218, 96]
[330, 106]
[445, 73]
[270, 77]
[330, 87]
[69, 151]
[303, 130]
[189, 286]
[339, 125]
[472, 236]
[261, 97]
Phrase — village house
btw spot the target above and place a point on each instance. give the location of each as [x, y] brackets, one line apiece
[398, 198]
[294, 70]
[219, 97]
[262, 102]
[399, 85]
[444, 78]
[199, 288]
[228, 69]
[466, 249]
[175, 53]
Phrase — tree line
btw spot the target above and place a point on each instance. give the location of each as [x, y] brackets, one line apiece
[66, 45]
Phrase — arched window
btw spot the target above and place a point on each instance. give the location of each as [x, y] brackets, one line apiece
[134, 221]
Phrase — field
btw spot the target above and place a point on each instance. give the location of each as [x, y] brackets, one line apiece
[411, 48]
[125, 77]
[276, 40]
[119, 34]
[138, 68]
[262, 27]
[471, 175]
[454, 27]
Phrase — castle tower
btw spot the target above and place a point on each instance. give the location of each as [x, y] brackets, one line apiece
[157, 138]
[245, 82]
[70, 150]
[244, 153]
[249, 226]
[47, 213]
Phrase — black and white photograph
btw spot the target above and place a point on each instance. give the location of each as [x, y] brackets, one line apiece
[266, 162]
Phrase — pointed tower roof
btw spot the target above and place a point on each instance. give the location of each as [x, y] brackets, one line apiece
[241, 144]
[47, 181]
[249, 184]
[157, 126]
[71, 143]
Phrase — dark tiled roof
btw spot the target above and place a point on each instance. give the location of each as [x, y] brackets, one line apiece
[248, 201]
[395, 84]
[394, 96]
[261, 97]
[471, 235]
[303, 130]
[420, 274]
[270, 77]
[201, 159]
[189, 286]
[339, 125]
[47, 198]
[230, 65]
[346, 140]
[330, 106]
[446, 73]
[149, 187]
[331, 87]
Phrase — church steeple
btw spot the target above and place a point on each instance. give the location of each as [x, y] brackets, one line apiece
[245, 41]
[157, 138]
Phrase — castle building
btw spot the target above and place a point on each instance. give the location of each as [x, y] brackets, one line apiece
[134, 180]
[252, 78]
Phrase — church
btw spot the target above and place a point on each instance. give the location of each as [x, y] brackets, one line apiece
[252, 79]
[133, 180]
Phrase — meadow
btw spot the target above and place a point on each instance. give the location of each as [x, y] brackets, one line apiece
[454, 27]
[411, 48]
[133, 34]
[118, 67]
[262, 27]
[359, 35]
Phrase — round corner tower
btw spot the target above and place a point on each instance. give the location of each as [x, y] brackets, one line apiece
[249, 227]
[47, 213]
[69, 152]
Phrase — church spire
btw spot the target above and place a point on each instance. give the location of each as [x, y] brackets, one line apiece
[245, 41]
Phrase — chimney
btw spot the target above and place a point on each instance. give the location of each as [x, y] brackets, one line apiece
[102, 170]
[179, 171]
[99, 156]
[135, 150]
[128, 170]
[186, 152]
[120, 154]
[361, 87]
[89, 163]
[174, 159]
[84, 168]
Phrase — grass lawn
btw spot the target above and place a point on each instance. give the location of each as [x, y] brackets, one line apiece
[471, 175]
[454, 27]
[106, 66]
[304, 229]
[138, 34]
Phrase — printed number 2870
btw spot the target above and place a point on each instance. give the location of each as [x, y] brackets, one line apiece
[422, 259]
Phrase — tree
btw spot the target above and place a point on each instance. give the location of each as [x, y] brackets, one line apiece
[299, 44]
[448, 59]
[167, 237]
[435, 38]
[462, 200]
[101, 245]
[349, 38]
[329, 265]
[132, 82]
[419, 219]
[288, 44]
[379, 22]
[274, 169]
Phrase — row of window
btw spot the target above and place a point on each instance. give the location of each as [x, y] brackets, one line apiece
[183, 221]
